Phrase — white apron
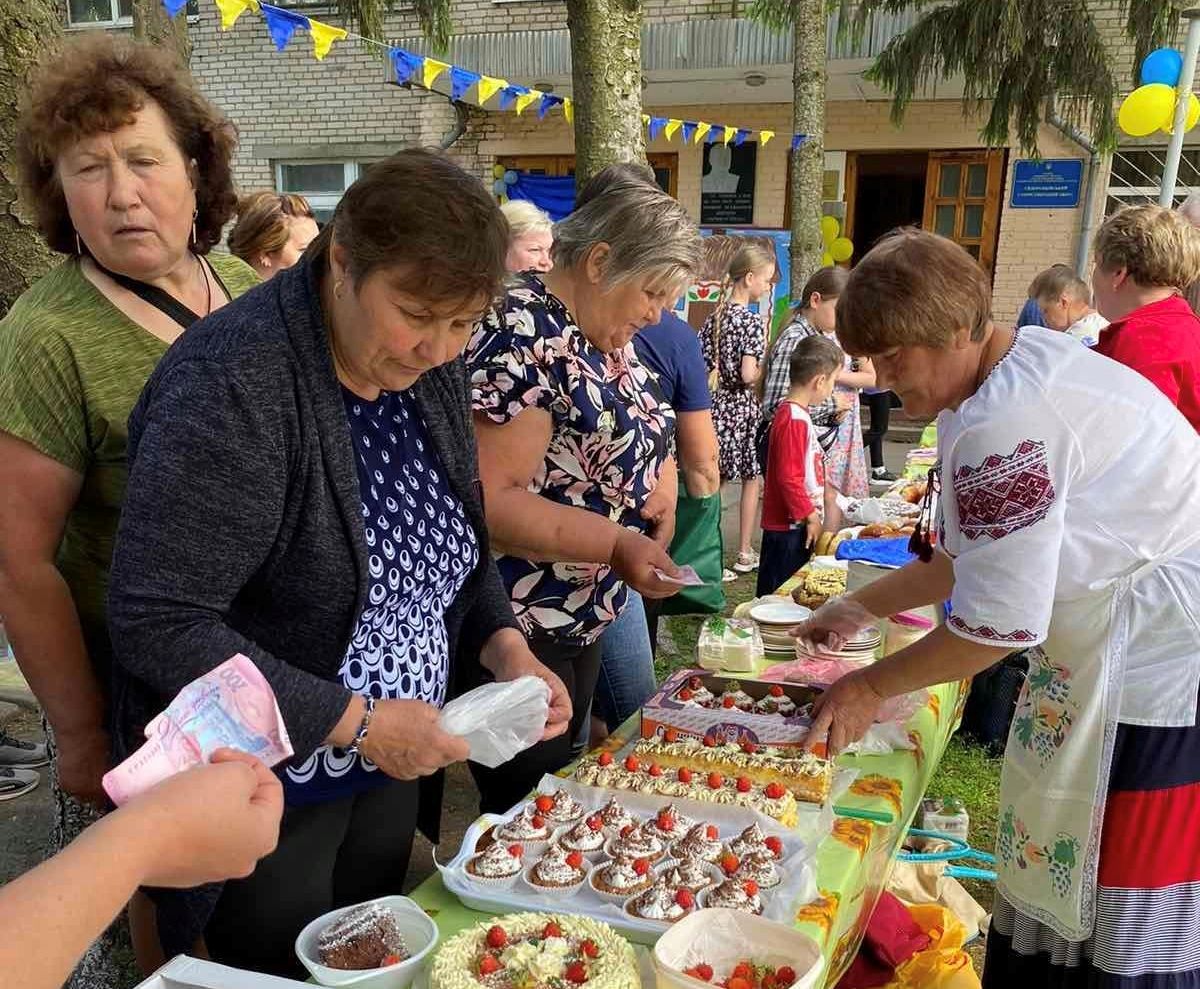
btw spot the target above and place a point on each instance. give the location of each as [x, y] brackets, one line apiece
[1054, 780]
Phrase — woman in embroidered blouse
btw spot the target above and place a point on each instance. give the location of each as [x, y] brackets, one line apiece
[574, 438]
[1070, 492]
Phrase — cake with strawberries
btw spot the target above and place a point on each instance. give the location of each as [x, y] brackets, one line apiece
[536, 951]
[558, 808]
[365, 937]
[689, 874]
[735, 894]
[637, 841]
[529, 829]
[499, 864]
[749, 842]
[620, 878]
[614, 816]
[662, 902]
[586, 837]
[807, 776]
[558, 871]
[761, 867]
[670, 824]
[702, 843]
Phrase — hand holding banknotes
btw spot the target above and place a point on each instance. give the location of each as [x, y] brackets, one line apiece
[406, 742]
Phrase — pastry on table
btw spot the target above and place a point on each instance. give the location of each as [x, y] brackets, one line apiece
[557, 871]
[499, 865]
[637, 841]
[695, 694]
[670, 824]
[761, 867]
[701, 844]
[536, 951]
[776, 701]
[363, 938]
[620, 878]
[662, 902]
[587, 836]
[690, 874]
[559, 809]
[615, 817]
[750, 842]
[773, 799]
[529, 829]
[807, 776]
[733, 697]
[735, 894]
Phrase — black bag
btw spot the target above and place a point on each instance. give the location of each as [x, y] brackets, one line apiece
[988, 713]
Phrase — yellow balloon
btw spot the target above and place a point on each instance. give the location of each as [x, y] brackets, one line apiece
[826, 260]
[1147, 109]
[497, 171]
[830, 228]
[1193, 116]
[841, 249]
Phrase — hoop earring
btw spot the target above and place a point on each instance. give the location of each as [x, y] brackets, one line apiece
[195, 213]
[337, 288]
[78, 244]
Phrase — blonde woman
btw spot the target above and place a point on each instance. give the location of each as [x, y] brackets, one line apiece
[734, 340]
[530, 236]
[273, 229]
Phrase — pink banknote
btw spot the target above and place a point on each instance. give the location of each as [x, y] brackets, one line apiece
[232, 706]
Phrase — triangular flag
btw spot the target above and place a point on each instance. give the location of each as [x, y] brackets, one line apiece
[714, 135]
[231, 10]
[798, 139]
[406, 63]
[689, 130]
[323, 37]
[548, 100]
[431, 70]
[174, 6]
[282, 24]
[645, 119]
[765, 136]
[701, 129]
[489, 86]
[672, 127]
[569, 111]
[527, 97]
[740, 137]
[729, 135]
[509, 94]
[460, 81]
[656, 126]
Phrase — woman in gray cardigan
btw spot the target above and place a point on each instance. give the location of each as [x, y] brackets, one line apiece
[304, 490]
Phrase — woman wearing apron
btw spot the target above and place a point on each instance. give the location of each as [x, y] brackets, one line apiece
[1067, 521]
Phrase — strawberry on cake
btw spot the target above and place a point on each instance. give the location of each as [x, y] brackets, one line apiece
[536, 951]
[558, 808]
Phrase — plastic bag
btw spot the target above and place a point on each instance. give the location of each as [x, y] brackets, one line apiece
[498, 720]
[944, 964]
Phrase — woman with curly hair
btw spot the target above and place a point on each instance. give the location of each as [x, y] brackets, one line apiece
[126, 168]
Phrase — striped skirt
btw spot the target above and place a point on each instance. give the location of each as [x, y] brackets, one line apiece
[1147, 932]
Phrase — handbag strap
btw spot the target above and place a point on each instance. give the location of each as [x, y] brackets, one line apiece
[161, 300]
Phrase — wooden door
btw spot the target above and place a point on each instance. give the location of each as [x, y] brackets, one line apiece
[665, 165]
[962, 200]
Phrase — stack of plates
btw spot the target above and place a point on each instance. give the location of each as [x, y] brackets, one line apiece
[860, 648]
[774, 619]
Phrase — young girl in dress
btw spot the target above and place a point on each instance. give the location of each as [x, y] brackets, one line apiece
[734, 340]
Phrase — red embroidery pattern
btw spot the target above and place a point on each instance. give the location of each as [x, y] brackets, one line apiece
[1004, 494]
[987, 632]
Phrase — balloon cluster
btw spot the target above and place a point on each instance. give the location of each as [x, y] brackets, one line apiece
[1152, 105]
[837, 247]
[504, 178]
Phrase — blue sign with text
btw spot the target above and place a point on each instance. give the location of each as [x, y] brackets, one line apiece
[1052, 183]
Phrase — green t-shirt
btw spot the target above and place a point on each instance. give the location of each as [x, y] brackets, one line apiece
[72, 367]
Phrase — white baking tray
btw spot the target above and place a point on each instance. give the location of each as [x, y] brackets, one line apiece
[798, 886]
[182, 972]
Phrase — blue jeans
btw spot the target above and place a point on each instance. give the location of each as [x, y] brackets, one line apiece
[627, 665]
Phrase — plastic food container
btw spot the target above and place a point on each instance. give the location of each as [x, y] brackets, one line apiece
[722, 938]
[420, 935]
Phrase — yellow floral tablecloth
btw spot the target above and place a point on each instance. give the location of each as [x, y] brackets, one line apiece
[853, 863]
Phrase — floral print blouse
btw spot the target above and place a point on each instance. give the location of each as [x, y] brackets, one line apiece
[611, 433]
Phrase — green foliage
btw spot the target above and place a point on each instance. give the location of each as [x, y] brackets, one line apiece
[1016, 57]
[433, 15]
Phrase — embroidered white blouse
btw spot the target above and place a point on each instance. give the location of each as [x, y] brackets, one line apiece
[1063, 472]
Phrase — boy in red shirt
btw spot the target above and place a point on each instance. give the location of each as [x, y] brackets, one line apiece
[795, 486]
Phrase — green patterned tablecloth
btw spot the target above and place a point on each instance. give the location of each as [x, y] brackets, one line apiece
[853, 863]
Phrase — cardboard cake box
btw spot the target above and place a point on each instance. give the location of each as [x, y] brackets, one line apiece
[664, 710]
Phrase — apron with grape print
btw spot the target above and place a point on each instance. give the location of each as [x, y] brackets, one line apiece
[1054, 780]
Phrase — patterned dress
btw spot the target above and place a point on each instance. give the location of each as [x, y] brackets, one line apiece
[611, 434]
[420, 551]
[735, 404]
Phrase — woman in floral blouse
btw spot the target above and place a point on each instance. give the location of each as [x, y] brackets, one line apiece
[574, 443]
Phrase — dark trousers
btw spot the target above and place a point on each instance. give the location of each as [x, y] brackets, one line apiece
[507, 784]
[330, 855]
[880, 405]
[779, 557]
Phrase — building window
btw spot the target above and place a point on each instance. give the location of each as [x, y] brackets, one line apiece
[320, 182]
[1136, 176]
[110, 13]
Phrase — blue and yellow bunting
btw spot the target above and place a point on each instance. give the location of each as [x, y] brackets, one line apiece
[421, 70]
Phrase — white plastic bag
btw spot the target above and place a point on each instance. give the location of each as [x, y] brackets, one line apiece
[498, 720]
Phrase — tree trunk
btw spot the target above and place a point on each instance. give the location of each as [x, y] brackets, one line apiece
[152, 23]
[28, 31]
[809, 27]
[606, 74]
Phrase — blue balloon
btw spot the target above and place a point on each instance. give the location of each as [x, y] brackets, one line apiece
[499, 188]
[510, 177]
[1163, 65]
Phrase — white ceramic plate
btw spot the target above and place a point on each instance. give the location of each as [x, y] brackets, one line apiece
[779, 613]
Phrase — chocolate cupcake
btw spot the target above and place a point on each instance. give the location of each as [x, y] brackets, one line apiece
[618, 879]
[586, 837]
[499, 866]
[637, 841]
[735, 894]
[615, 817]
[702, 844]
[760, 867]
[662, 902]
[531, 830]
[559, 872]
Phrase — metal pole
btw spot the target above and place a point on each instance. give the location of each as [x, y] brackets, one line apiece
[1175, 149]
